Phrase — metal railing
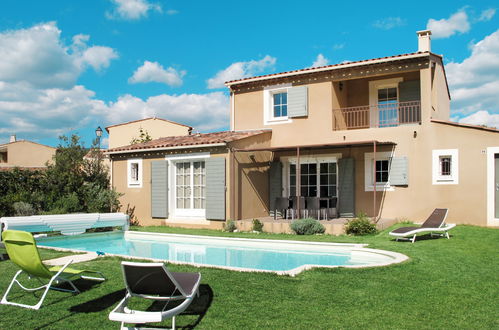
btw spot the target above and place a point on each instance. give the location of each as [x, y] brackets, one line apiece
[381, 115]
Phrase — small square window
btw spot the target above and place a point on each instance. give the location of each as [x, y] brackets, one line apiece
[445, 166]
[382, 171]
[280, 104]
[275, 104]
[134, 173]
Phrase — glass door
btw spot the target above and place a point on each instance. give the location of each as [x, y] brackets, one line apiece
[190, 188]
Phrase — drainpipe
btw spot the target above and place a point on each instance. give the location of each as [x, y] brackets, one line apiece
[232, 184]
[374, 178]
[298, 182]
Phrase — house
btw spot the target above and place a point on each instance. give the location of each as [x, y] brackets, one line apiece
[373, 135]
[24, 154]
[122, 134]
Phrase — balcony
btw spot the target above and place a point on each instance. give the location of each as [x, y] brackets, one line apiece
[376, 116]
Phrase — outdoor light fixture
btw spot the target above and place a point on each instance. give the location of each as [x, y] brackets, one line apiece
[98, 132]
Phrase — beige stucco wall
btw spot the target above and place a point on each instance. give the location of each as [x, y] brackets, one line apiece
[140, 198]
[28, 154]
[121, 135]
[466, 200]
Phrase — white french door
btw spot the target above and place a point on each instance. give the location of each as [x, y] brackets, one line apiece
[190, 188]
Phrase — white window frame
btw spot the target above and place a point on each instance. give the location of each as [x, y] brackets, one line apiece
[453, 178]
[368, 171]
[373, 95]
[134, 183]
[326, 158]
[172, 192]
[268, 105]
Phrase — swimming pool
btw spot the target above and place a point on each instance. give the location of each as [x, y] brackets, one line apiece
[282, 257]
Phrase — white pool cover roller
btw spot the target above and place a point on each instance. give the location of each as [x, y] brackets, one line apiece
[67, 224]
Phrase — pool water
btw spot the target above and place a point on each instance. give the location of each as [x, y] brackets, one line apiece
[243, 254]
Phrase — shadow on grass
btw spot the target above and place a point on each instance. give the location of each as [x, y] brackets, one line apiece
[99, 304]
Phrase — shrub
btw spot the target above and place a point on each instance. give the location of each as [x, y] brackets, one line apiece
[257, 225]
[230, 226]
[23, 208]
[360, 226]
[307, 227]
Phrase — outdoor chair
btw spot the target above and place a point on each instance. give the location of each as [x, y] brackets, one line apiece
[22, 250]
[155, 282]
[282, 205]
[313, 205]
[434, 224]
[295, 212]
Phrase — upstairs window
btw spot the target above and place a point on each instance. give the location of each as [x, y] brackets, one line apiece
[275, 104]
[280, 104]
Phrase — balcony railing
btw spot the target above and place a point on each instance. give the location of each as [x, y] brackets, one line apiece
[381, 115]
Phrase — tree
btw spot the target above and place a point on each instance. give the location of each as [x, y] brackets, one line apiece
[143, 137]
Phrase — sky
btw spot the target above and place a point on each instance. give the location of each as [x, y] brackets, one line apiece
[67, 67]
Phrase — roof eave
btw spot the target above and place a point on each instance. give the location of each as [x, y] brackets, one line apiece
[191, 146]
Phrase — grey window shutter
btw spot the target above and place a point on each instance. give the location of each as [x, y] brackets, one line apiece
[298, 101]
[275, 182]
[409, 91]
[399, 172]
[159, 189]
[215, 188]
[346, 189]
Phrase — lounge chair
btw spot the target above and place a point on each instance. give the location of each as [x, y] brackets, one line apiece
[153, 281]
[434, 224]
[22, 250]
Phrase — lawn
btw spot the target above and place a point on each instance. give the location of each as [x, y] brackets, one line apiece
[445, 284]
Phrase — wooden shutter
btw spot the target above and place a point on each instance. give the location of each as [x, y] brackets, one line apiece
[275, 182]
[215, 188]
[398, 172]
[409, 91]
[346, 189]
[159, 189]
[297, 101]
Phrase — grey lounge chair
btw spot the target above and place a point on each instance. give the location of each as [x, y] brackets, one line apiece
[434, 224]
[153, 281]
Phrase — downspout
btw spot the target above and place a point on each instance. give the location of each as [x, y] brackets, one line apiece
[232, 186]
[374, 179]
[298, 182]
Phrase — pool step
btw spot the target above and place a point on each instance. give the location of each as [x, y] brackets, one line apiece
[75, 259]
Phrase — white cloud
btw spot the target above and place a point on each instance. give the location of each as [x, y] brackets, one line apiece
[482, 118]
[487, 15]
[202, 111]
[338, 46]
[38, 56]
[444, 28]
[320, 61]
[154, 72]
[389, 23]
[241, 70]
[172, 12]
[132, 9]
[473, 82]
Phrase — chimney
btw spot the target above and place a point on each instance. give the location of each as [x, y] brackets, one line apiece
[424, 41]
[13, 138]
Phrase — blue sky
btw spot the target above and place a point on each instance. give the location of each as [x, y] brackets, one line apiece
[70, 66]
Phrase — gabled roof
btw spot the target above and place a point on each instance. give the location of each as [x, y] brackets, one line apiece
[178, 142]
[136, 121]
[332, 67]
[3, 146]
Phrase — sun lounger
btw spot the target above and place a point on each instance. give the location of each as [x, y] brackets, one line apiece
[153, 281]
[22, 250]
[435, 224]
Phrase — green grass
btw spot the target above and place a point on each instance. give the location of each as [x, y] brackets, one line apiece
[446, 284]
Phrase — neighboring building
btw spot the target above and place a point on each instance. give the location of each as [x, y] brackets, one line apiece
[375, 134]
[123, 134]
[24, 154]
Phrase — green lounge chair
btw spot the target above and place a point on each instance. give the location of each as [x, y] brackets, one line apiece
[22, 250]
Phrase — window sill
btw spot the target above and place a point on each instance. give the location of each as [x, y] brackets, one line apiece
[135, 185]
[446, 181]
[279, 120]
[380, 188]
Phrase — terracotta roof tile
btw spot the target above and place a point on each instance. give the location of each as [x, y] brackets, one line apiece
[332, 66]
[190, 140]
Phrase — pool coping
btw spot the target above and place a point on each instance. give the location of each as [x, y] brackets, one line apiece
[397, 257]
